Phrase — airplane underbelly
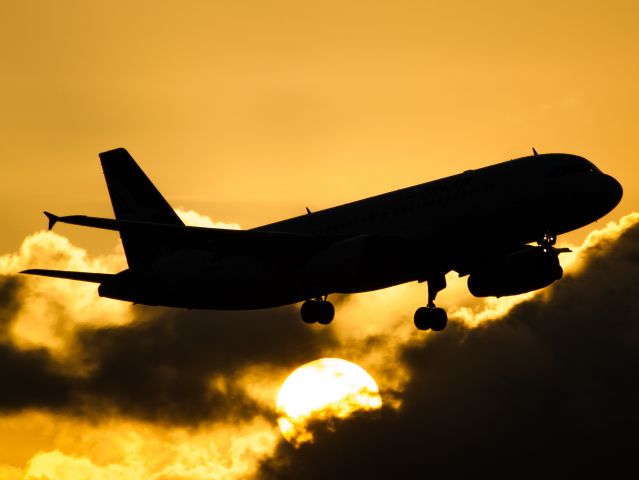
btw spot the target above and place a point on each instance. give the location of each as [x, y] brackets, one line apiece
[233, 283]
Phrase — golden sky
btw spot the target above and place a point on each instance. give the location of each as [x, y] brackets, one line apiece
[247, 112]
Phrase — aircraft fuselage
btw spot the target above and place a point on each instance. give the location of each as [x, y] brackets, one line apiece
[456, 223]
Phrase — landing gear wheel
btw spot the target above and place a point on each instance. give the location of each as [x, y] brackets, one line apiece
[422, 318]
[438, 320]
[309, 311]
[431, 318]
[327, 312]
[317, 311]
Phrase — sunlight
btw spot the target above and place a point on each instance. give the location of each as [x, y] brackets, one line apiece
[324, 389]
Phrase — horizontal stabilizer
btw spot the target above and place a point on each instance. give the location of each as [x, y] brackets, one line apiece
[52, 219]
[81, 276]
[257, 241]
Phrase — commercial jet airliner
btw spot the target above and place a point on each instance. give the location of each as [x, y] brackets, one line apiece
[498, 225]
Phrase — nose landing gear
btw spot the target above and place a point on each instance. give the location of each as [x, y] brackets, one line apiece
[547, 241]
[431, 317]
[318, 310]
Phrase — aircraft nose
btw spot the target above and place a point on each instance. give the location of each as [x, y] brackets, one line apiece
[613, 189]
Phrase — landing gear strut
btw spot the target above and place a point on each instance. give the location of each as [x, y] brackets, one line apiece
[430, 316]
[318, 310]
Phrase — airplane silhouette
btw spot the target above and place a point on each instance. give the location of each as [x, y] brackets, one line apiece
[480, 223]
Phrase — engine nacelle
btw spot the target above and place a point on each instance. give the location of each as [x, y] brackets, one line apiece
[525, 270]
[357, 264]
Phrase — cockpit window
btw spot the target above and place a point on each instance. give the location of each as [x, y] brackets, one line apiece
[593, 168]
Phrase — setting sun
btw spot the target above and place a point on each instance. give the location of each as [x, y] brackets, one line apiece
[324, 389]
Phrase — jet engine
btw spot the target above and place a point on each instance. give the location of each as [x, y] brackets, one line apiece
[525, 270]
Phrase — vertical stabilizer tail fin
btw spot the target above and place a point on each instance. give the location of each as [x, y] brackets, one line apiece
[134, 197]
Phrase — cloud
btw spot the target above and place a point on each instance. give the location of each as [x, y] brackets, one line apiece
[42, 445]
[65, 349]
[550, 387]
[9, 303]
[166, 366]
[188, 367]
[193, 218]
[46, 311]
[549, 377]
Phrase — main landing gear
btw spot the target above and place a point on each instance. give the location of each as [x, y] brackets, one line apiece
[430, 316]
[319, 311]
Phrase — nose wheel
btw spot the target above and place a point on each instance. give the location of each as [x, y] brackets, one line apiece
[318, 310]
[431, 317]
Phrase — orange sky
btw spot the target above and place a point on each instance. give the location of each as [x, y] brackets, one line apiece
[250, 111]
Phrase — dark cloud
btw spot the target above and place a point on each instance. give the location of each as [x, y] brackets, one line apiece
[159, 367]
[29, 380]
[551, 389]
[28, 377]
[9, 300]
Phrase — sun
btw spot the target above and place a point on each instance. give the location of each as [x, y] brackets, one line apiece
[324, 389]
